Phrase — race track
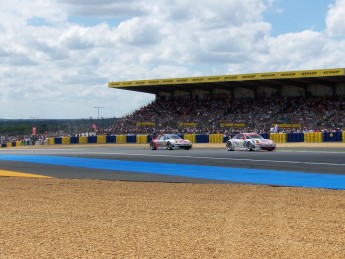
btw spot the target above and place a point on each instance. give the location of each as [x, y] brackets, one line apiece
[322, 168]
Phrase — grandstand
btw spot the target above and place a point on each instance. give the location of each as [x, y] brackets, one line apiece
[307, 100]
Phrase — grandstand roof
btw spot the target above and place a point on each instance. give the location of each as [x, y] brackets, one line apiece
[328, 77]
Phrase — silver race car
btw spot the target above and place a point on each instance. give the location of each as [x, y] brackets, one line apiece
[170, 141]
[250, 142]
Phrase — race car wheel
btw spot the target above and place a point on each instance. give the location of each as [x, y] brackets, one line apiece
[153, 146]
[249, 146]
[169, 146]
[229, 146]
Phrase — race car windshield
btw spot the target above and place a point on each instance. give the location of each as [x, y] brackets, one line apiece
[173, 137]
[255, 136]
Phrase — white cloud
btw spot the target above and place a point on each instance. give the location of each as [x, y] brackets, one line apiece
[51, 67]
[105, 8]
[336, 18]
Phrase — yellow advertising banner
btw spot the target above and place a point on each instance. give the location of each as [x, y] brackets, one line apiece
[145, 123]
[187, 124]
[287, 125]
[229, 124]
[226, 78]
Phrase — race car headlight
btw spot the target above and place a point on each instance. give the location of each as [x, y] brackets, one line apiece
[257, 141]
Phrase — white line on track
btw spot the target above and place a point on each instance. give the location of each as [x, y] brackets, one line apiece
[220, 158]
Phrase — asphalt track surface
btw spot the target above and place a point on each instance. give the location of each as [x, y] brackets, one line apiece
[317, 168]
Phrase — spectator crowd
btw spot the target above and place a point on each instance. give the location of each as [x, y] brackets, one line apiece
[259, 114]
[188, 115]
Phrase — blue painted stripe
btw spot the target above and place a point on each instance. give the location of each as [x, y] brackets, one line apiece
[241, 175]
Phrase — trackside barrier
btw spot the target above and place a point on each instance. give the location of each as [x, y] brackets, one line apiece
[74, 140]
[50, 141]
[121, 139]
[66, 140]
[265, 135]
[131, 139]
[295, 137]
[142, 139]
[278, 137]
[190, 137]
[332, 136]
[308, 137]
[312, 137]
[150, 137]
[83, 140]
[216, 138]
[57, 141]
[111, 139]
[202, 138]
[318, 136]
[101, 139]
[92, 139]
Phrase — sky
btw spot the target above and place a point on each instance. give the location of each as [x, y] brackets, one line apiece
[57, 56]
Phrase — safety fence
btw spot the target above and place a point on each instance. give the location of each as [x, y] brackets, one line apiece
[309, 137]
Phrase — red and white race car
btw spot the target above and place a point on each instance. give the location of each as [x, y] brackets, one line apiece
[250, 142]
[170, 141]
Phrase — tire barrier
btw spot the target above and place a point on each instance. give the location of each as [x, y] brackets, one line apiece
[74, 140]
[308, 137]
[101, 139]
[51, 141]
[92, 139]
[150, 137]
[83, 140]
[58, 141]
[111, 139]
[265, 135]
[66, 140]
[216, 138]
[279, 137]
[332, 136]
[142, 139]
[120, 139]
[190, 137]
[295, 137]
[313, 137]
[131, 139]
[202, 138]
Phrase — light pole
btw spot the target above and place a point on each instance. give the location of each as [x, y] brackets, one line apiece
[83, 125]
[102, 124]
[98, 107]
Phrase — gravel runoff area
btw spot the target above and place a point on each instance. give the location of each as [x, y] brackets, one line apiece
[59, 218]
